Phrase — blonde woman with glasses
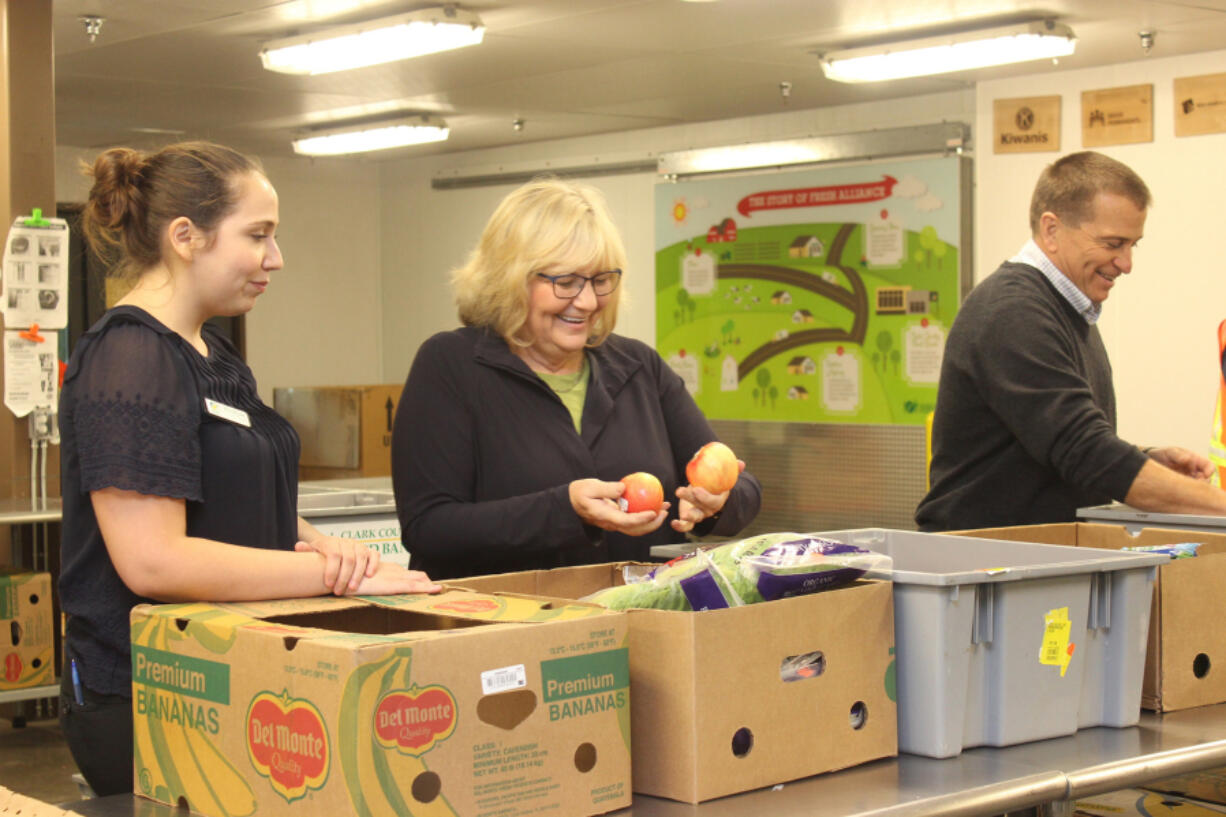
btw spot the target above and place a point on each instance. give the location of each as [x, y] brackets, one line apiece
[514, 431]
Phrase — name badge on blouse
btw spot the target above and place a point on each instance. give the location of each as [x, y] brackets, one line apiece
[234, 415]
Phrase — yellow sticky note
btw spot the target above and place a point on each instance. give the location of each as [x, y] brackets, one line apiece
[1056, 649]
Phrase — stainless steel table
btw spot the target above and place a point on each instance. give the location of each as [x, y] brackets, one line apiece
[1046, 775]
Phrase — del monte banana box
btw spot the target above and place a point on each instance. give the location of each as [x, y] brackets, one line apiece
[25, 620]
[736, 699]
[461, 704]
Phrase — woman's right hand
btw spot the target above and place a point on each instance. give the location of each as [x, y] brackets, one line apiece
[391, 579]
[595, 501]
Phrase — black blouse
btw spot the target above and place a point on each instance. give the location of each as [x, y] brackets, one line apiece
[143, 410]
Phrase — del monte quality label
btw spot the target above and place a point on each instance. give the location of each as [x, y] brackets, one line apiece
[288, 743]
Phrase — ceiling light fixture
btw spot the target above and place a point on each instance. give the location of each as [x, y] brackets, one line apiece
[383, 135]
[376, 41]
[953, 52]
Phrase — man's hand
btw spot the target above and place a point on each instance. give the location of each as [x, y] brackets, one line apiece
[1183, 461]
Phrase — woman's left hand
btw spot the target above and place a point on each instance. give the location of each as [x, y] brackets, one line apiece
[346, 562]
[698, 504]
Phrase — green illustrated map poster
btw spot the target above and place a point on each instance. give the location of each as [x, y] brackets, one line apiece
[810, 296]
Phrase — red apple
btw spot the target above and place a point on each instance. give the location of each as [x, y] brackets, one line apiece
[713, 467]
[641, 492]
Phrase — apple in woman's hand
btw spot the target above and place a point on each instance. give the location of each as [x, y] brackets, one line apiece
[713, 468]
[642, 492]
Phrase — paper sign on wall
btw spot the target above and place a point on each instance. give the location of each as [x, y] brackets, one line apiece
[1026, 124]
[1200, 105]
[36, 274]
[31, 372]
[1117, 116]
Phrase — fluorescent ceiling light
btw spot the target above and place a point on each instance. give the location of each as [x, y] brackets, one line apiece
[373, 136]
[955, 52]
[376, 41]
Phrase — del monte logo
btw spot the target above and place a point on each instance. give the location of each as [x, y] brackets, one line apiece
[287, 742]
[414, 720]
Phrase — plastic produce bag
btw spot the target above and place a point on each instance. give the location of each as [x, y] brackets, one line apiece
[761, 568]
[1181, 550]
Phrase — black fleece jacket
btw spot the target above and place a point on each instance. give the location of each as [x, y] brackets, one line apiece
[483, 453]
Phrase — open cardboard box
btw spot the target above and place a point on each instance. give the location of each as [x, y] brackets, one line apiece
[1208, 785]
[1185, 664]
[456, 704]
[718, 704]
[1138, 803]
[25, 630]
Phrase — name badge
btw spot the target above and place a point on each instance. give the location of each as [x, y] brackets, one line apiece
[234, 415]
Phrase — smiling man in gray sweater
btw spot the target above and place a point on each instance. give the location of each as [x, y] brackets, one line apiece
[1025, 422]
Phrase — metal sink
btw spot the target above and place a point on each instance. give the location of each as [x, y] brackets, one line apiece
[346, 503]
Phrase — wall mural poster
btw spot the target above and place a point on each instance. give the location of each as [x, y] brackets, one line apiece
[822, 295]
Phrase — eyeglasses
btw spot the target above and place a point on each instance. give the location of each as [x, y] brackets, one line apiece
[572, 283]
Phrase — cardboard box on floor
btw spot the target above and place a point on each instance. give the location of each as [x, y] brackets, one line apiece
[1208, 785]
[1138, 803]
[458, 704]
[1187, 625]
[25, 621]
[715, 709]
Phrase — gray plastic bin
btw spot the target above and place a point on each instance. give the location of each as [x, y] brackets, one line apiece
[977, 631]
[1133, 520]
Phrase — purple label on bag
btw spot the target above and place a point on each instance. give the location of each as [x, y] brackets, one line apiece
[784, 585]
[702, 591]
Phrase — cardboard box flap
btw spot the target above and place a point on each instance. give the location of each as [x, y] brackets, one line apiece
[1103, 536]
[277, 607]
[567, 583]
[463, 602]
[363, 620]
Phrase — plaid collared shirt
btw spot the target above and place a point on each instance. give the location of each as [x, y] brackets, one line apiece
[1031, 254]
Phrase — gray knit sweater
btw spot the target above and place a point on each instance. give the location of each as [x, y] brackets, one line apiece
[1024, 430]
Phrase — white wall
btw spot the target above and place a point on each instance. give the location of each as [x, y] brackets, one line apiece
[1160, 322]
[320, 323]
[428, 232]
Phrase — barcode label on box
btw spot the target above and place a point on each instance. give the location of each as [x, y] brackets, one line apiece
[500, 680]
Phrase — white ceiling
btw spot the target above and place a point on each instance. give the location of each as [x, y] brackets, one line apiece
[162, 70]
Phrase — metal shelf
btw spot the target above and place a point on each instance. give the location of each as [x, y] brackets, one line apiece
[30, 693]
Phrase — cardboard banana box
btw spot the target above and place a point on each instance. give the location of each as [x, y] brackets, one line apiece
[25, 620]
[464, 703]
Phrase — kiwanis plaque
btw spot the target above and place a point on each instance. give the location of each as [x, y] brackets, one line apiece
[1026, 124]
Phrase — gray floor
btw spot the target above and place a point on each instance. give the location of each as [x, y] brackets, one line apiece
[35, 761]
